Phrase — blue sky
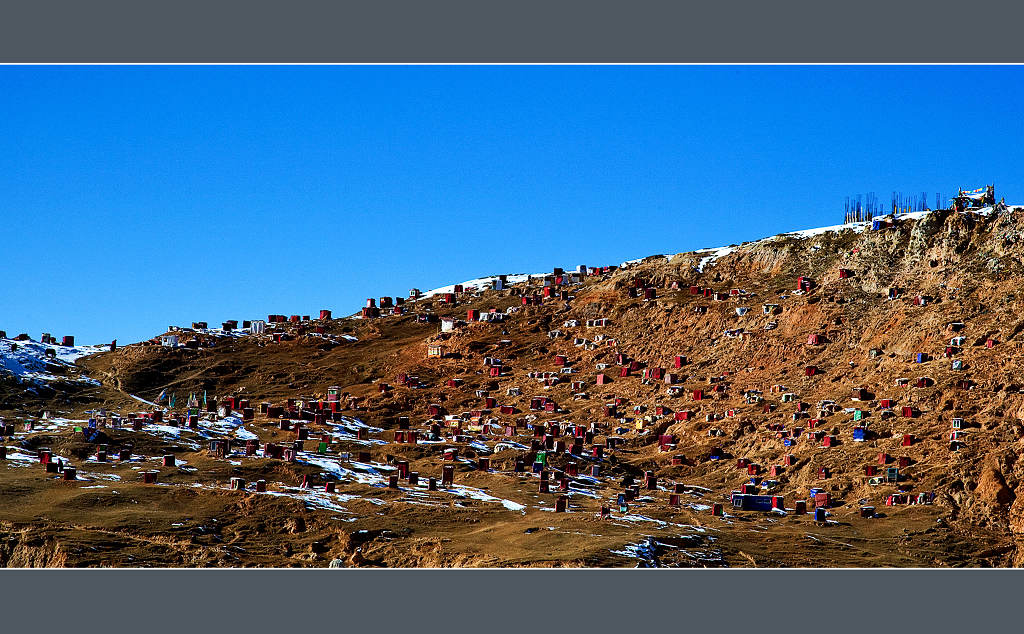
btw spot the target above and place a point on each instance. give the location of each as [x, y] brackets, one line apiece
[132, 198]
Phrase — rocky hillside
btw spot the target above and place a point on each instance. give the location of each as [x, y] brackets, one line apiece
[874, 365]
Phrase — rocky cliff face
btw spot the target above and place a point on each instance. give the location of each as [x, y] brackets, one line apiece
[966, 267]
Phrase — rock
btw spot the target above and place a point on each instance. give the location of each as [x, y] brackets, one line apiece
[992, 487]
[356, 559]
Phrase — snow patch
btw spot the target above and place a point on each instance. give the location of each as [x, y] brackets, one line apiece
[28, 361]
[481, 283]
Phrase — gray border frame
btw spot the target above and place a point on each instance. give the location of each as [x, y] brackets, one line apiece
[507, 600]
[492, 31]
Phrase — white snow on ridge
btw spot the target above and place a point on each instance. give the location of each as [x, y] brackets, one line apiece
[239, 333]
[714, 255]
[709, 255]
[859, 227]
[27, 360]
[627, 263]
[481, 283]
[808, 233]
[718, 252]
[220, 332]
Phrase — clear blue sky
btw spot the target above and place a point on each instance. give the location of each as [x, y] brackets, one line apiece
[132, 198]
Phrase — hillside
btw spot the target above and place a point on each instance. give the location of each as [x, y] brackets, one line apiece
[666, 373]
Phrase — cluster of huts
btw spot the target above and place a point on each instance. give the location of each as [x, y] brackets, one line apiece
[276, 328]
[567, 456]
[806, 423]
